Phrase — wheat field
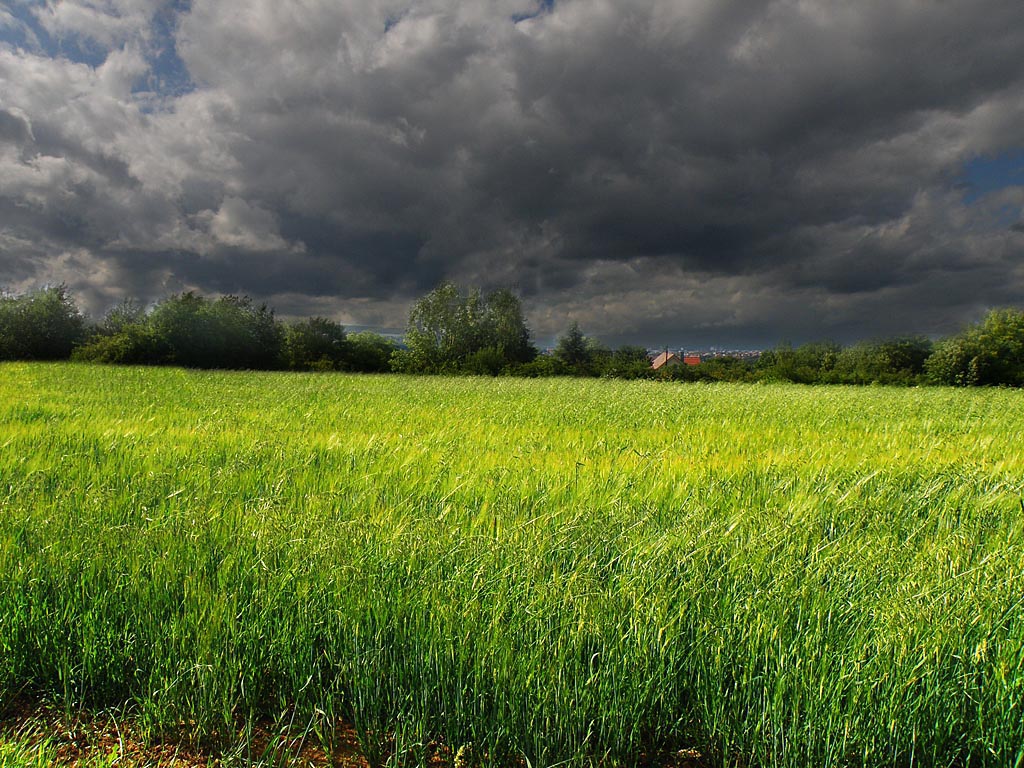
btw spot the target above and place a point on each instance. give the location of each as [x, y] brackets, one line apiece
[554, 571]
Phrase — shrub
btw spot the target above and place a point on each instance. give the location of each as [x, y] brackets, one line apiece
[41, 325]
[987, 354]
[316, 344]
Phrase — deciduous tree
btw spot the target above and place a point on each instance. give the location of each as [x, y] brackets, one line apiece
[448, 331]
[40, 325]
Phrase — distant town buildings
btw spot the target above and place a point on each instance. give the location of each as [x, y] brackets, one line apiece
[660, 358]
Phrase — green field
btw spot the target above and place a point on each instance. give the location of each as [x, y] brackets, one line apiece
[555, 570]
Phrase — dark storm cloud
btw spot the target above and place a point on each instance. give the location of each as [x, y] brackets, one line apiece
[697, 169]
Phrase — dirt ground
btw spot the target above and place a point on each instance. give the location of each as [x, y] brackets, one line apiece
[107, 740]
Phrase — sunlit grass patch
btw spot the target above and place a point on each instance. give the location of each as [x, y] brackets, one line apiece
[549, 570]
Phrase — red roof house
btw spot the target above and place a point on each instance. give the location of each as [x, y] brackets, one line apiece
[666, 359]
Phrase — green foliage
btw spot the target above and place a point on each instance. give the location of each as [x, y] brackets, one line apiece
[229, 332]
[370, 352]
[123, 337]
[488, 361]
[807, 364]
[627, 362]
[316, 344]
[891, 361]
[452, 332]
[582, 355]
[573, 349]
[41, 325]
[541, 366]
[131, 344]
[560, 572]
[716, 369]
[505, 328]
[127, 314]
[990, 353]
[724, 369]
[446, 329]
[32, 751]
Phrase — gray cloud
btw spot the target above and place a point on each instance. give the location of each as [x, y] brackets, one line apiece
[700, 171]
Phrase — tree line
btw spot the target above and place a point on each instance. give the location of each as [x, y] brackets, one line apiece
[455, 331]
[184, 329]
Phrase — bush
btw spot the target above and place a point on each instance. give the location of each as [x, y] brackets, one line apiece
[485, 362]
[316, 344]
[627, 363]
[990, 353]
[135, 344]
[41, 325]
[724, 369]
[230, 332]
[892, 361]
[542, 365]
[370, 352]
[807, 364]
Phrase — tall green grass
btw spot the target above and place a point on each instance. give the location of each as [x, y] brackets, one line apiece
[560, 570]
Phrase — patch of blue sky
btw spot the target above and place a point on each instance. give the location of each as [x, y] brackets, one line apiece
[543, 6]
[986, 174]
[168, 74]
[167, 77]
[21, 29]
[391, 21]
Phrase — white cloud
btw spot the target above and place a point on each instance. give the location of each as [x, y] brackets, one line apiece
[240, 224]
[108, 23]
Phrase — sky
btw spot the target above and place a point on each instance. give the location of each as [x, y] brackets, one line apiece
[688, 172]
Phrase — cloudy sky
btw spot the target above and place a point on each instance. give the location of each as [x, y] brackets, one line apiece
[730, 172]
